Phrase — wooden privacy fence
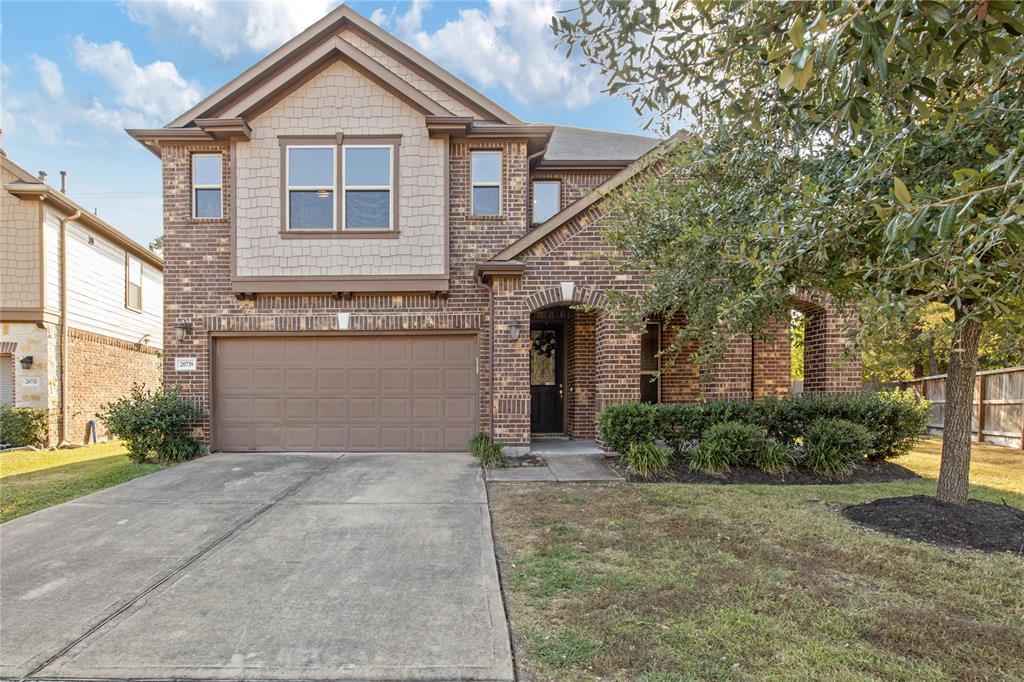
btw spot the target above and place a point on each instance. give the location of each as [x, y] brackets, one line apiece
[998, 405]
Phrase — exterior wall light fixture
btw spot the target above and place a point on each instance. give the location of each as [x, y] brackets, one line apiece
[26, 362]
[513, 332]
[181, 329]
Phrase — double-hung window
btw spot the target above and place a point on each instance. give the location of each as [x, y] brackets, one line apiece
[546, 199]
[207, 186]
[486, 181]
[650, 363]
[368, 186]
[311, 187]
[133, 283]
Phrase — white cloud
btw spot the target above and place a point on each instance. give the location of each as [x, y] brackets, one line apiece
[228, 29]
[509, 44]
[49, 76]
[155, 91]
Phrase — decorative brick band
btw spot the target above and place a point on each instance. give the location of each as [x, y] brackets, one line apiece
[111, 341]
[556, 295]
[357, 322]
[357, 302]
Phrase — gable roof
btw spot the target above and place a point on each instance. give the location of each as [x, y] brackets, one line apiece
[298, 49]
[571, 146]
[29, 187]
[516, 248]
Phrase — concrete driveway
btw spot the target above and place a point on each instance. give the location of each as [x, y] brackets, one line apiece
[261, 566]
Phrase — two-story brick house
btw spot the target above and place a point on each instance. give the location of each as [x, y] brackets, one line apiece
[81, 308]
[365, 253]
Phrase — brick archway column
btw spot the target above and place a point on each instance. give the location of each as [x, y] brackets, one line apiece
[828, 367]
[617, 361]
[511, 399]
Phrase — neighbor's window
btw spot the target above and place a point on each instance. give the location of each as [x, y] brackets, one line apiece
[133, 290]
[486, 171]
[650, 362]
[368, 197]
[546, 199]
[311, 187]
[207, 186]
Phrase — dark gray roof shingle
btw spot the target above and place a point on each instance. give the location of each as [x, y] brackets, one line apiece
[574, 144]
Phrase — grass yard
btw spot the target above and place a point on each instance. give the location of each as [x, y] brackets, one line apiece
[663, 582]
[33, 480]
[992, 466]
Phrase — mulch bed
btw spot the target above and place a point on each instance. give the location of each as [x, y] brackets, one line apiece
[978, 525]
[869, 472]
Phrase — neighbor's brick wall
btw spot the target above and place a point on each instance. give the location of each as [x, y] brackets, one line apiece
[102, 369]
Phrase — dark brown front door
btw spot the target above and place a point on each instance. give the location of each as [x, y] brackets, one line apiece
[547, 378]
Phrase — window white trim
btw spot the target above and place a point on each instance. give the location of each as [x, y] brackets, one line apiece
[219, 186]
[129, 261]
[288, 187]
[474, 183]
[345, 187]
[533, 198]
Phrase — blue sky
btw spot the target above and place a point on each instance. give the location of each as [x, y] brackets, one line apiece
[74, 74]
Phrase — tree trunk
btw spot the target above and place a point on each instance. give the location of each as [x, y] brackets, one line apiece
[956, 432]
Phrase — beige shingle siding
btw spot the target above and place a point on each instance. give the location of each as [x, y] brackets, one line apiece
[19, 249]
[340, 99]
[413, 78]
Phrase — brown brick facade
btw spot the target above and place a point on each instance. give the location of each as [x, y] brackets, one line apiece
[101, 369]
[563, 270]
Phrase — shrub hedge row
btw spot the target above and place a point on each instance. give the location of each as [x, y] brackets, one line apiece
[893, 420]
[20, 426]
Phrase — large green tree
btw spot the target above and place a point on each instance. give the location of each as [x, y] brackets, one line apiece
[868, 149]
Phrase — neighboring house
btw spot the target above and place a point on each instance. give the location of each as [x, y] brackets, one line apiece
[103, 303]
[364, 253]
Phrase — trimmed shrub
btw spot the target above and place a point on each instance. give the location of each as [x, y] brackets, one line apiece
[727, 445]
[678, 425]
[900, 420]
[776, 458]
[486, 451]
[154, 425]
[22, 426]
[833, 447]
[647, 458]
[623, 424]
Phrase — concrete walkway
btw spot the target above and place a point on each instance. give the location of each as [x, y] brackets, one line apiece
[565, 461]
[248, 567]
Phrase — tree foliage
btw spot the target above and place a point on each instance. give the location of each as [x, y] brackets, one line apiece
[869, 149]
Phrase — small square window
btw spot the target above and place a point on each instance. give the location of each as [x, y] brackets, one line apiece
[207, 186]
[546, 199]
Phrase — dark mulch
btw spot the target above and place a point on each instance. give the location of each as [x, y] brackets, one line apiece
[868, 472]
[979, 525]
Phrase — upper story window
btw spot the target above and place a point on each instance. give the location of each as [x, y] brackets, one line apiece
[546, 199]
[369, 196]
[486, 180]
[207, 186]
[310, 187]
[650, 364]
[133, 283]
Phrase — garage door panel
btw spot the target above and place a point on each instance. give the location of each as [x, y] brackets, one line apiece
[355, 393]
[331, 408]
[266, 379]
[367, 379]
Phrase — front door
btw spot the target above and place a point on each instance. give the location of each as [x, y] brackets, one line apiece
[547, 378]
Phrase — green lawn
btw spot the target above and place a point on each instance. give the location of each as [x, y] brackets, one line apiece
[663, 582]
[991, 465]
[33, 480]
